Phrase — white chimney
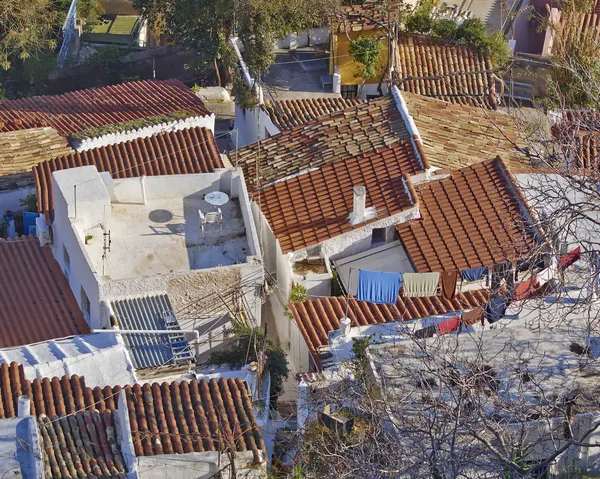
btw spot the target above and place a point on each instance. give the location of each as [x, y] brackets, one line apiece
[24, 407]
[360, 199]
[345, 324]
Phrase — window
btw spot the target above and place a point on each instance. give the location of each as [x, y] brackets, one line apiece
[67, 262]
[378, 236]
[85, 304]
[349, 92]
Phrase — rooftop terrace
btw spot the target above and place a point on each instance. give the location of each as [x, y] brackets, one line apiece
[153, 223]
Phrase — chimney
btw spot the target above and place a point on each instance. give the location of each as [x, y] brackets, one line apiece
[345, 324]
[24, 407]
[360, 198]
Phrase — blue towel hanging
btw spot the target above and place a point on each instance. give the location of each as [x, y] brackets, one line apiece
[376, 287]
[474, 274]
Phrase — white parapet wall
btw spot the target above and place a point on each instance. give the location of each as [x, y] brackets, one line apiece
[113, 138]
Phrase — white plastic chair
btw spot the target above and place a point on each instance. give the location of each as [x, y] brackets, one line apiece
[214, 217]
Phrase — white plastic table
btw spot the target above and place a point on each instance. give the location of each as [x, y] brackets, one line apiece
[216, 198]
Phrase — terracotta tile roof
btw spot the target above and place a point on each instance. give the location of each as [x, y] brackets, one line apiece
[369, 15]
[455, 136]
[287, 114]
[310, 208]
[21, 150]
[579, 26]
[191, 150]
[316, 318]
[340, 135]
[84, 445]
[79, 110]
[459, 73]
[471, 219]
[587, 151]
[34, 290]
[175, 418]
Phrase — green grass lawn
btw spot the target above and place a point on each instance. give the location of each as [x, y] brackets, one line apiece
[115, 29]
[119, 25]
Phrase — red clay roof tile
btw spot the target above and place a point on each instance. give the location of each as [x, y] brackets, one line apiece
[191, 150]
[445, 70]
[360, 129]
[34, 290]
[310, 208]
[316, 318]
[287, 114]
[473, 218]
[175, 418]
[80, 110]
[84, 445]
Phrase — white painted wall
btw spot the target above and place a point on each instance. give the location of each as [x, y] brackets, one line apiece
[359, 240]
[11, 199]
[251, 125]
[65, 233]
[199, 465]
[312, 37]
[113, 138]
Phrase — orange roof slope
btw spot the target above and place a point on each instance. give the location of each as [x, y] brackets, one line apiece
[286, 114]
[316, 318]
[587, 151]
[192, 150]
[310, 208]
[446, 70]
[175, 418]
[363, 128]
[79, 110]
[580, 26]
[37, 302]
[473, 218]
[580, 130]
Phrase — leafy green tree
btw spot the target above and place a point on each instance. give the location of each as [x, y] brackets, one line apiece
[474, 32]
[367, 52]
[204, 26]
[444, 28]
[26, 28]
[30, 28]
[420, 19]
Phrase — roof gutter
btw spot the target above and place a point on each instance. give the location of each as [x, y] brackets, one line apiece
[146, 331]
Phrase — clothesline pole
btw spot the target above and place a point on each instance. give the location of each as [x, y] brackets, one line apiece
[348, 292]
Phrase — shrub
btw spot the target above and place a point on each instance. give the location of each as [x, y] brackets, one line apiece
[298, 293]
[244, 351]
[497, 48]
[420, 21]
[472, 31]
[444, 28]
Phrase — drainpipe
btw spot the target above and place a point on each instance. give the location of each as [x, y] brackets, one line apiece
[148, 331]
[143, 183]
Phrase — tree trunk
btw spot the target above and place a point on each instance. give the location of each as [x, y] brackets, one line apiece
[217, 71]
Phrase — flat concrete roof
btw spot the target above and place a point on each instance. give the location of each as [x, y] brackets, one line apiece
[164, 236]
